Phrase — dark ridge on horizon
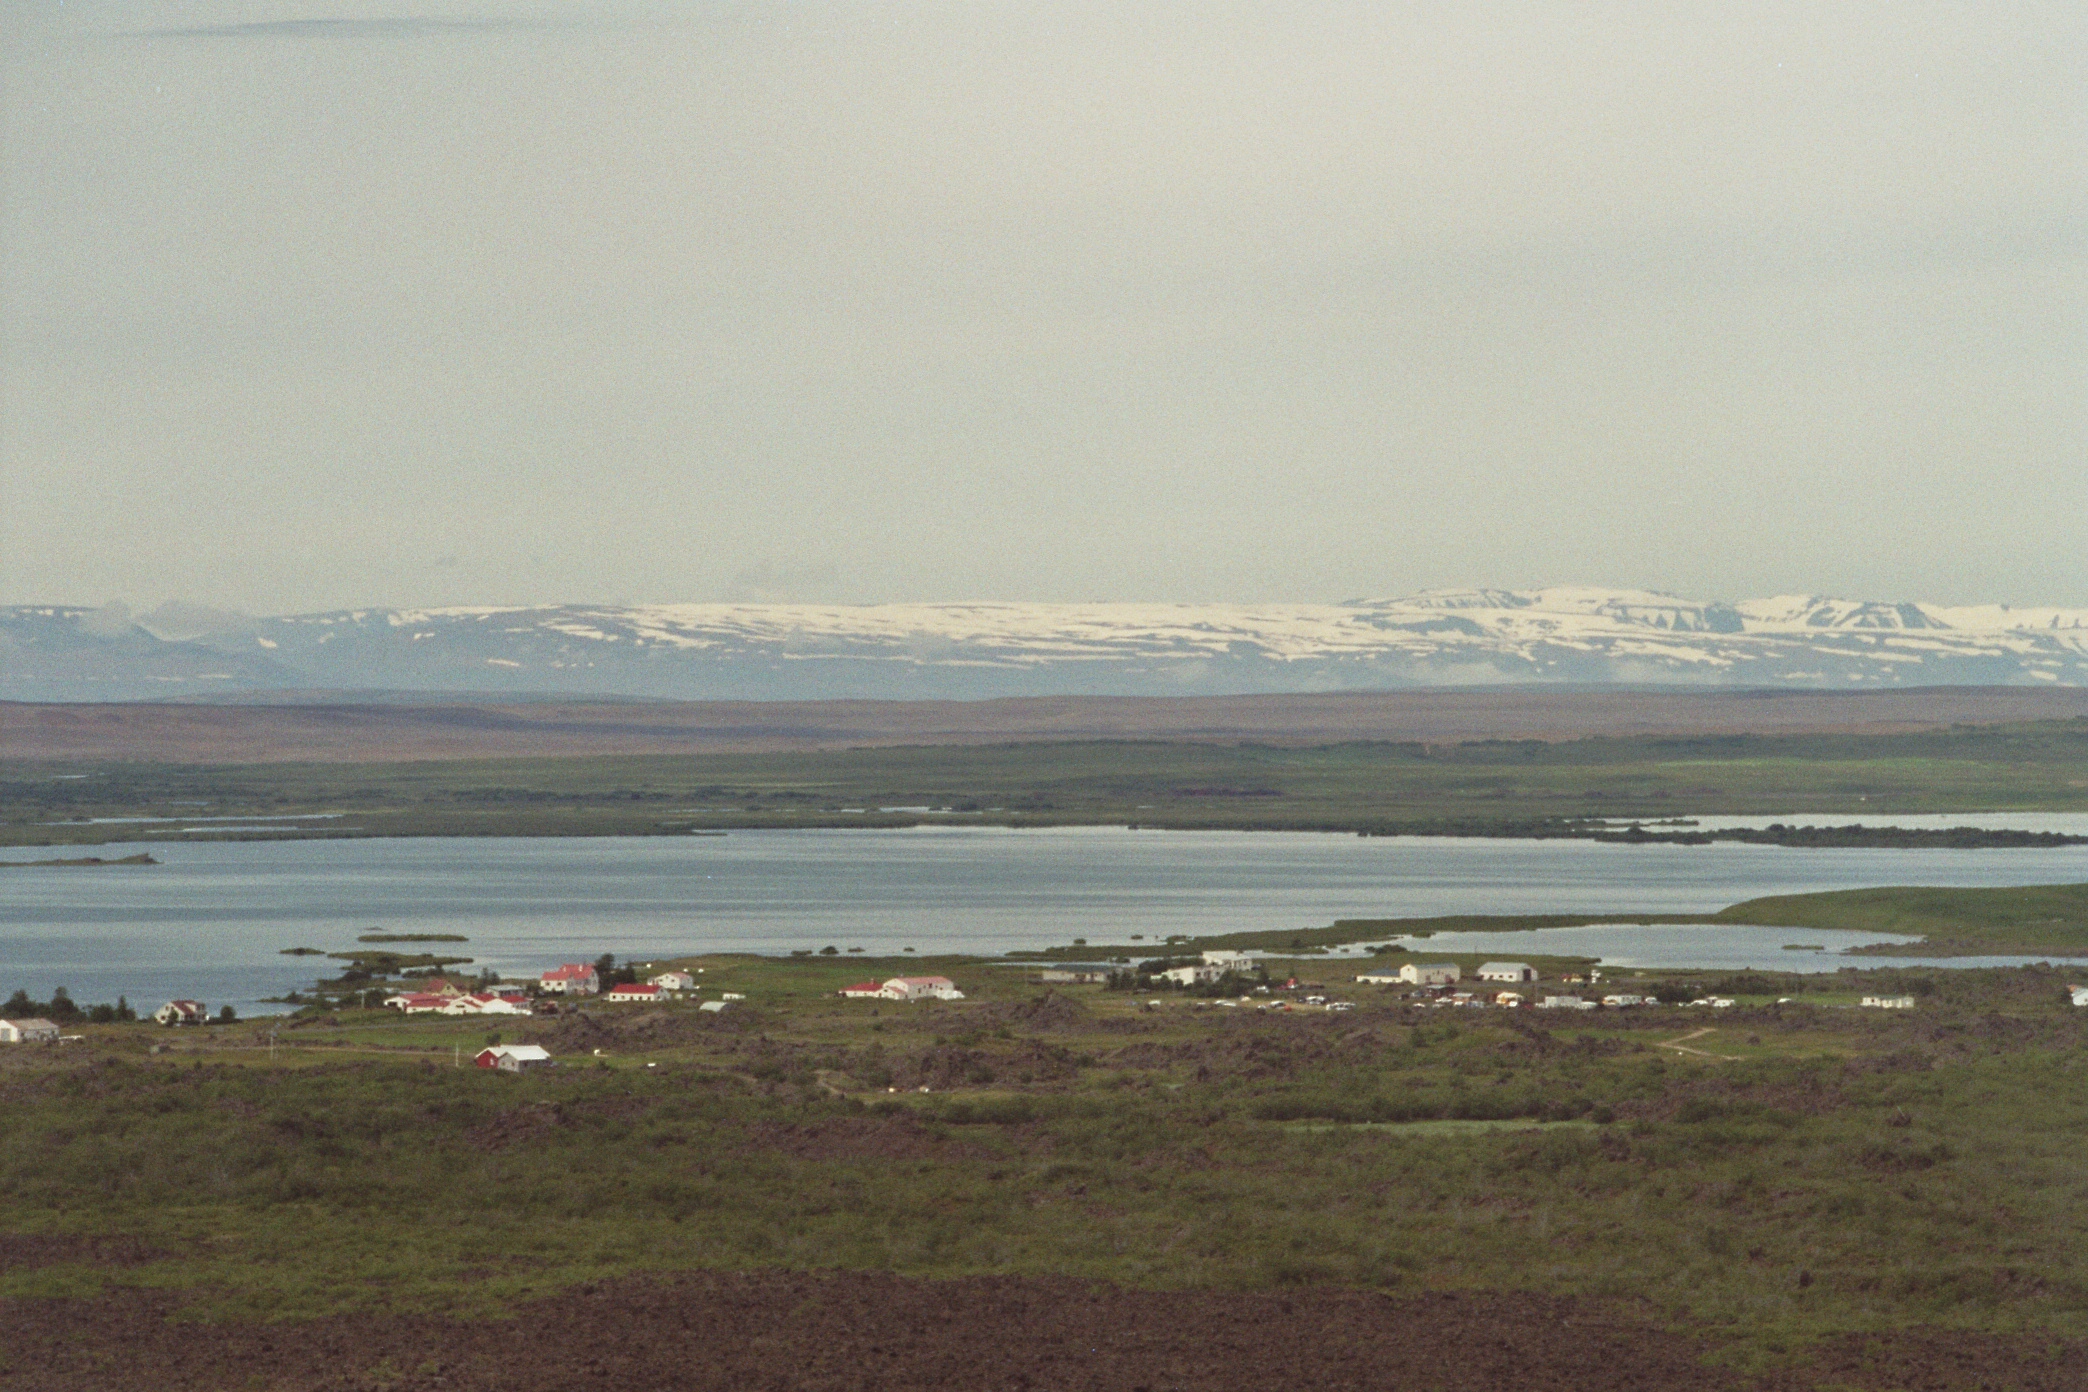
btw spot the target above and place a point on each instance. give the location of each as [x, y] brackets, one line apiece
[360, 731]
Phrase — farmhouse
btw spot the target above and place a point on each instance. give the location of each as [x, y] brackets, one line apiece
[182, 1012]
[419, 1003]
[484, 1003]
[514, 1058]
[913, 988]
[572, 979]
[1381, 976]
[865, 990]
[632, 993]
[675, 981]
[1196, 973]
[28, 1032]
[1514, 973]
[1429, 973]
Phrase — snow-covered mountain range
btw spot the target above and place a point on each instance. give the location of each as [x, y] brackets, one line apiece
[797, 651]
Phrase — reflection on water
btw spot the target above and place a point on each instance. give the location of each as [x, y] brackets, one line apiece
[1731, 946]
[2065, 823]
[210, 921]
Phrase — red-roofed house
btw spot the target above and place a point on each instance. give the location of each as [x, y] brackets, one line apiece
[632, 991]
[864, 990]
[418, 1003]
[514, 1058]
[572, 979]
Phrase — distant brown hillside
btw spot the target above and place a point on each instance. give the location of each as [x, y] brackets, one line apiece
[367, 732]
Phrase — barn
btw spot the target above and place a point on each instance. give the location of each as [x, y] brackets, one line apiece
[913, 988]
[514, 1058]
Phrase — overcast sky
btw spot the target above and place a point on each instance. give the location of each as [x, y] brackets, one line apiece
[312, 306]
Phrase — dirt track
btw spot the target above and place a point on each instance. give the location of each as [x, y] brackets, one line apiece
[477, 730]
[870, 1332]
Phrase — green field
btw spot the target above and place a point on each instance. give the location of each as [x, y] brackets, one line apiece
[1519, 788]
[1768, 1175]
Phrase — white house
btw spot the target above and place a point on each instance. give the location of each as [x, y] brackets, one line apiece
[864, 990]
[28, 1032]
[1889, 1002]
[675, 981]
[1514, 973]
[1227, 960]
[913, 988]
[2080, 995]
[632, 993]
[1429, 973]
[182, 1012]
[572, 979]
[1194, 974]
[514, 1058]
[479, 1003]
[1381, 976]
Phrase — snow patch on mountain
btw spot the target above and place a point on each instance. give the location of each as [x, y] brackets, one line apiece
[771, 651]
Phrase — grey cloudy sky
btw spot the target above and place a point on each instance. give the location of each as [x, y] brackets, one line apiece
[310, 306]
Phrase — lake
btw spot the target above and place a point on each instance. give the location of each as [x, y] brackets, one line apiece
[211, 920]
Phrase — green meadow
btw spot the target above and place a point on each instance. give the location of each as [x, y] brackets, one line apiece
[1770, 1173]
[1494, 787]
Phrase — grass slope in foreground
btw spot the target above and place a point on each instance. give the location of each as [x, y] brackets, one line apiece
[1767, 1179]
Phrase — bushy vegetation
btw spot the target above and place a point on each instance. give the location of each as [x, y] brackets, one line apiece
[62, 1009]
[1810, 1169]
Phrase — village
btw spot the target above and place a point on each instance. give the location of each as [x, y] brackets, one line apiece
[1219, 978]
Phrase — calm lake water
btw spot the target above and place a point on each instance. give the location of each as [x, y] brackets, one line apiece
[211, 920]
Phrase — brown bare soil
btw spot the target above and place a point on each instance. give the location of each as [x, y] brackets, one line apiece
[350, 732]
[872, 1332]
